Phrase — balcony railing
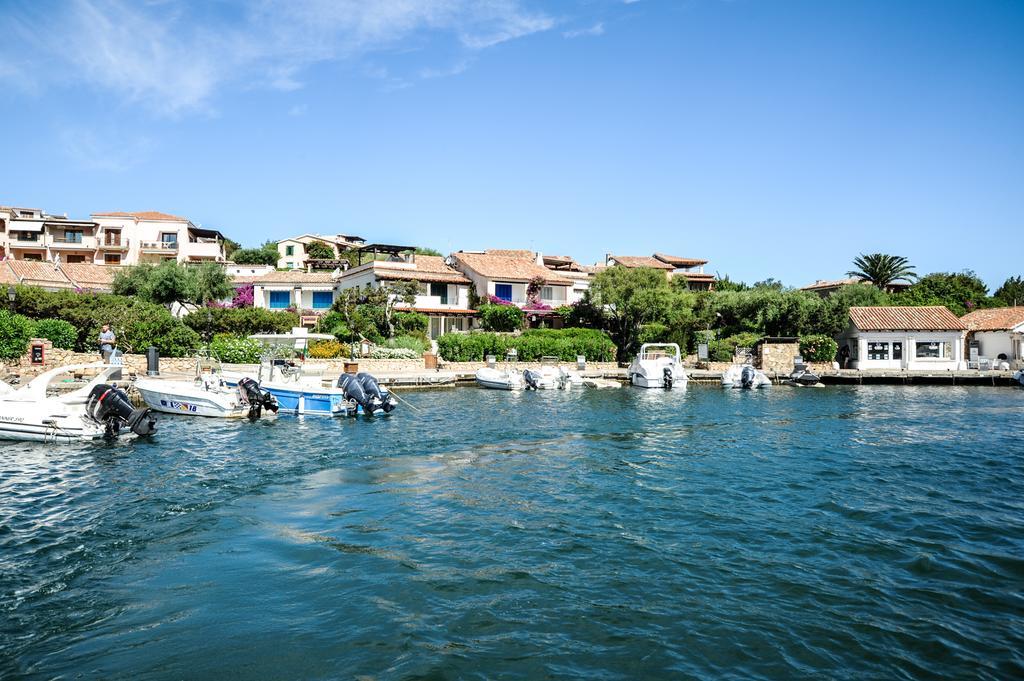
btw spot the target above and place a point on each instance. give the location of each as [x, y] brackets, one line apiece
[114, 244]
[160, 246]
[86, 243]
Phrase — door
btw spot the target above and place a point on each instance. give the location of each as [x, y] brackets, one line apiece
[435, 327]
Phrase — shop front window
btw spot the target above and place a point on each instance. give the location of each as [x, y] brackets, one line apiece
[931, 350]
[878, 351]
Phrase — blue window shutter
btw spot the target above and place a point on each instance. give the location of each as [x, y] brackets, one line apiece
[279, 300]
[503, 291]
[322, 300]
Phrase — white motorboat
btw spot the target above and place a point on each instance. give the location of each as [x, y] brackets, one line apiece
[207, 394]
[658, 365]
[550, 376]
[510, 379]
[1019, 376]
[745, 376]
[97, 410]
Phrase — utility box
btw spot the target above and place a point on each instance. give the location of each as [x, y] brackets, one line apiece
[152, 361]
[430, 360]
[37, 354]
[351, 367]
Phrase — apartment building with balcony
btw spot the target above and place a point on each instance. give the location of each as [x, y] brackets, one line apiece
[690, 269]
[34, 235]
[506, 275]
[153, 237]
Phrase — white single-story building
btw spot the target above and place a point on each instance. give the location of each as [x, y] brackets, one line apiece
[913, 338]
[299, 290]
[998, 332]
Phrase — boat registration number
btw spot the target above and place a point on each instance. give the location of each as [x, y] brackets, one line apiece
[179, 406]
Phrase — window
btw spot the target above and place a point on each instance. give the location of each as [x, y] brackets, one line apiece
[441, 291]
[34, 257]
[878, 351]
[280, 300]
[322, 300]
[75, 259]
[169, 238]
[503, 291]
[112, 259]
[547, 293]
[932, 350]
[897, 350]
[72, 237]
[28, 236]
[289, 250]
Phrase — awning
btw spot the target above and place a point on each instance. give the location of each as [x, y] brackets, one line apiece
[26, 226]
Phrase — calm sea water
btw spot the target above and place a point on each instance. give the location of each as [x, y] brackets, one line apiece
[847, 533]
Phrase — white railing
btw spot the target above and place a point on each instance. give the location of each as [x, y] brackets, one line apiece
[171, 246]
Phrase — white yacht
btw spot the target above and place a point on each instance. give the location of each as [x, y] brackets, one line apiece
[97, 410]
[551, 376]
[659, 365]
[1019, 376]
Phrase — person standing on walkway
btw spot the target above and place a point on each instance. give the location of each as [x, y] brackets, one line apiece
[107, 341]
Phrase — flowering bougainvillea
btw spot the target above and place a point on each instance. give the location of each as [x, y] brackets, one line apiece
[243, 296]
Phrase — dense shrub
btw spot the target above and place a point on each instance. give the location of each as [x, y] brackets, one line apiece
[136, 323]
[566, 344]
[416, 343]
[15, 332]
[724, 349]
[59, 332]
[411, 323]
[501, 317]
[393, 353]
[328, 349]
[243, 321]
[235, 349]
[818, 348]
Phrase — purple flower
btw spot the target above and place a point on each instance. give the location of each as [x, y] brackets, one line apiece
[243, 296]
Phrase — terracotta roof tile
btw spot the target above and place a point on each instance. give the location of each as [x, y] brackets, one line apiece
[7, 277]
[831, 283]
[995, 319]
[141, 215]
[508, 267]
[35, 273]
[933, 318]
[295, 277]
[677, 261]
[512, 252]
[641, 261]
[90, 276]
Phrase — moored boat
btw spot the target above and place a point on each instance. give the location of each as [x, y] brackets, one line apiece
[208, 394]
[745, 377]
[1019, 377]
[510, 379]
[100, 409]
[658, 365]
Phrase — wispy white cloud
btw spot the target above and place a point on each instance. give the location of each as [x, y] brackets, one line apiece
[107, 150]
[172, 56]
[593, 31]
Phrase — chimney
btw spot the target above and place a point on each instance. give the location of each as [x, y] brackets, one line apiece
[607, 257]
[540, 258]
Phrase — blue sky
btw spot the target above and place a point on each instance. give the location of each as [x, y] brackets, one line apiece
[775, 138]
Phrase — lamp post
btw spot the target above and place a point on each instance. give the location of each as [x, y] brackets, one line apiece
[11, 296]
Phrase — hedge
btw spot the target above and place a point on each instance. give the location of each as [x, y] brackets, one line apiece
[236, 349]
[566, 344]
[15, 332]
[62, 334]
[818, 348]
[501, 317]
[243, 321]
[328, 349]
[136, 323]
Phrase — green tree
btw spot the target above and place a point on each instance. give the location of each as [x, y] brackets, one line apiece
[420, 250]
[961, 292]
[15, 332]
[264, 255]
[882, 270]
[318, 250]
[230, 246]
[630, 298]
[501, 317]
[1011, 293]
[209, 282]
[835, 316]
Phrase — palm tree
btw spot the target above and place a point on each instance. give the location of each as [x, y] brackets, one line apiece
[882, 270]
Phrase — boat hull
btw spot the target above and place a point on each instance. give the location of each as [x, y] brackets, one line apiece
[64, 430]
[191, 403]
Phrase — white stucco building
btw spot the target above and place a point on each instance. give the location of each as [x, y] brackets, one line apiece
[443, 291]
[690, 269]
[292, 251]
[998, 332]
[152, 237]
[300, 291]
[911, 338]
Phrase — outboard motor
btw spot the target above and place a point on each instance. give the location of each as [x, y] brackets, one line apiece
[373, 391]
[667, 377]
[532, 379]
[109, 405]
[747, 376]
[354, 392]
[257, 398]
